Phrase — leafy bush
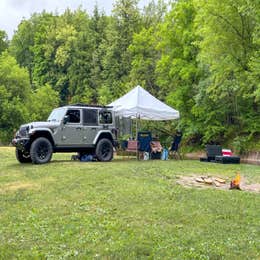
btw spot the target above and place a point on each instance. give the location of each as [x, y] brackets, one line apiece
[240, 144]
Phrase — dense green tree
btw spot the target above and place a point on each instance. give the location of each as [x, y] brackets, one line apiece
[145, 55]
[62, 52]
[124, 22]
[254, 72]
[22, 43]
[81, 85]
[227, 29]
[201, 57]
[47, 63]
[14, 93]
[177, 70]
[98, 25]
[3, 41]
[154, 13]
[143, 48]
[42, 101]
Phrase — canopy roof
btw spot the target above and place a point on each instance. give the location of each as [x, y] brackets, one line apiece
[139, 103]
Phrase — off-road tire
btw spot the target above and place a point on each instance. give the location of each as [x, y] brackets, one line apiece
[104, 150]
[22, 157]
[41, 150]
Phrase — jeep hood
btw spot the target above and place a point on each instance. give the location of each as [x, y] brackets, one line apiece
[42, 125]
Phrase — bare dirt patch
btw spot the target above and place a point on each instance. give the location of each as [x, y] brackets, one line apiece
[191, 181]
[14, 186]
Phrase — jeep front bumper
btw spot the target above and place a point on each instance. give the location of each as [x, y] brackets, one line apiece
[21, 143]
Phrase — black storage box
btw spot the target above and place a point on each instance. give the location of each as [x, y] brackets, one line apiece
[227, 159]
[214, 154]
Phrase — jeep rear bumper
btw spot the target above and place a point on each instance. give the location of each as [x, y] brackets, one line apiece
[21, 143]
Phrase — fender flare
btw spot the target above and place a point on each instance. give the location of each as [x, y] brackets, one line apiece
[107, 132]
[37, 132]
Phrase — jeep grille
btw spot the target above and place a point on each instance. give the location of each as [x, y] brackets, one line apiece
[23, 131]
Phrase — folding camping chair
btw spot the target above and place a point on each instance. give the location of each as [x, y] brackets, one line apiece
[175, 147]
[144, 139]
[132, 147]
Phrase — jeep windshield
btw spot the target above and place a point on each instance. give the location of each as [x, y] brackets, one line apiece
[57, 115]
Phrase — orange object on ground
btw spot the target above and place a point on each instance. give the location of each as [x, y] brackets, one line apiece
[235, 184]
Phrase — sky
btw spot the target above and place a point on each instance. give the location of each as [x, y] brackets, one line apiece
[13, 11]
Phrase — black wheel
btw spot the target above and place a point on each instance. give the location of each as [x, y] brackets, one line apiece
[22, 157]
[104, 150]
[41, 150]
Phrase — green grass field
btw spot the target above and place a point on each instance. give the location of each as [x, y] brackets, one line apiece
[125, 209]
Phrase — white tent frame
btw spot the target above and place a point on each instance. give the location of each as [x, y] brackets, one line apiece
[139, 104]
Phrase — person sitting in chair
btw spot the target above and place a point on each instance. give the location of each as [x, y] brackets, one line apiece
[156, 147]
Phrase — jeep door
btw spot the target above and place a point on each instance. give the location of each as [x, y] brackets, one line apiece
[90, 125]
[71, 130]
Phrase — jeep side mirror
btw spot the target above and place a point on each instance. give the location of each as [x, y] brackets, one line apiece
[66, 119]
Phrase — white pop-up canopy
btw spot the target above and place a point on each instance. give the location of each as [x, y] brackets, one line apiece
[139, 103]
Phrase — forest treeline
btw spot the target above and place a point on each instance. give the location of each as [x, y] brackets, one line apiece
[200, 57]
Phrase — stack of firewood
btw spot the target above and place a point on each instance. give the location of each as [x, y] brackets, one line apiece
[211, 181]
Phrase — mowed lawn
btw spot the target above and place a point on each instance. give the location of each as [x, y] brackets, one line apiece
[125, 209]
